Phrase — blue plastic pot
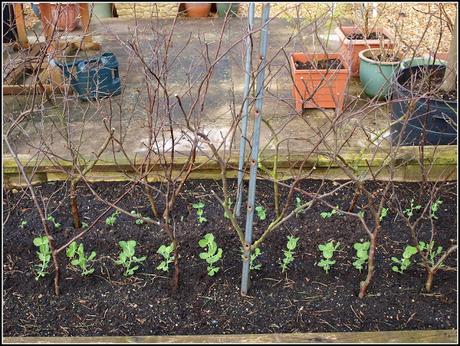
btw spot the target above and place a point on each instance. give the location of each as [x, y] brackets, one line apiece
[430, 122]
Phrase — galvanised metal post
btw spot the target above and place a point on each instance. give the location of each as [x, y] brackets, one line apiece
[244, 125]
[255, 150]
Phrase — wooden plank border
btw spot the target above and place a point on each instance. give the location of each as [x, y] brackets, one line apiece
[441, 164]
[407, 336]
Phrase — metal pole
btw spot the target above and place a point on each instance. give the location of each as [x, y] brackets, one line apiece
[244, 125]
[255, 150]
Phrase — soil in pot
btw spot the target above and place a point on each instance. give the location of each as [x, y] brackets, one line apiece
[371, 36]
[324, 64]
[427, 83]
[304, 299]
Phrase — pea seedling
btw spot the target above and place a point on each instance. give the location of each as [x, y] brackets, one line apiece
[327, 250]
[432, 254]
[362, 254]
[138, 221]
[252, 262]
[328, 214]
[110, 221]
[44, 255]
[199, 211]
[298, 204]
[229, 205]
[76, 254]
[435, 208]
[405, 261]
[53, 220]
[167, 253]
[212, 254]
[126, 257]
[410, 211]
[23, 224]
[383, 213]
[289, 253]
[261, 212]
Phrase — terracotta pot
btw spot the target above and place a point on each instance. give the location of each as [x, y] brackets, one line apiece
[66, 15]
[350, 48]
[198, 9]
[322, 88]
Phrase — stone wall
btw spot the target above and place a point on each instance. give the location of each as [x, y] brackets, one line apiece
[146, 10]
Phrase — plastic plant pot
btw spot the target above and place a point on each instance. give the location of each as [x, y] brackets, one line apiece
[430, 121]
[197, 9]
[66, 16]
[223, 7]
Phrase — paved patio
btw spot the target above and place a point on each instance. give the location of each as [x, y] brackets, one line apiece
[129, 109]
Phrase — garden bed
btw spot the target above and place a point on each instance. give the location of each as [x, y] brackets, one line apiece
[304, 299]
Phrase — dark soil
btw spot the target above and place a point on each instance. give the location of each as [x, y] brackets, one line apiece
[371, 36]
[325, 64]
[304, 299]
[428, 82]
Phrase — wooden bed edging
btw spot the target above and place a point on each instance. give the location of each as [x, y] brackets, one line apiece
[440, 164]
[405, 336]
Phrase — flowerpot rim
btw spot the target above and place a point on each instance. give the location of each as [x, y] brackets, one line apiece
[320, 56]
[339, 31]
[363, 57]
[429, 98]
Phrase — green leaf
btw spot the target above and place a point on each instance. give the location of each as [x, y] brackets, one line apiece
[204, 255]
[395, 269]
[92, 255]
[203, 242]
[75, 262]
[409, 251]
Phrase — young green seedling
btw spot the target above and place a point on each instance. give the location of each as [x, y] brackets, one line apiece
[138, 221]
[435, 208]
[405, 261]
[410, 211]
[383, 213]
[261, 212]
[289, 253]
[84, 225]
[432, 254]
[44, 255]
[167, 253]
[362, 254]
[23, 224]
[200, 212]
[328, 214]
[252, 263]
[361, 214]
[298, 204]
[53, 220]
[76, 254]
[212, 254]
[126, 257]
[110, 221]
[229, 205]
[327, 250]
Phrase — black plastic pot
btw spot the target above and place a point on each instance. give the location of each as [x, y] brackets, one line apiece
[433, 120]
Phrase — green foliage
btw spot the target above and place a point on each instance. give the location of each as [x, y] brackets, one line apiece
[138, 221]
[23, 224]
[435, 207]
[126, 257]
[361, 214]
[328, 214]
[362, 254]
[383, 213]
[110, 221]
[289, 253]
[200, 212]
[229, 205]
[327, 250]
[404, 263]
[410, 211]
[261, 212]
[167, 253]
[298, 204]
[76, 254]
[84, 225]
[53, 220]
[212, 254]
[44, 255]
[432, 254]
[252, 263]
